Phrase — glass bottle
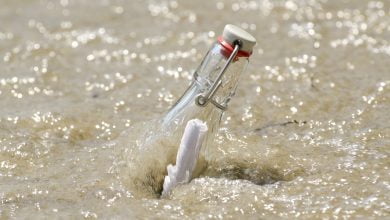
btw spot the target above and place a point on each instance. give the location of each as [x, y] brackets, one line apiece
[214, 84]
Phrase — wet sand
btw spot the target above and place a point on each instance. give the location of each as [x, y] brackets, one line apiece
[306, 136]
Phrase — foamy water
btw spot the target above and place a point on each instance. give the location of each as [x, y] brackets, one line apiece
[307, 134]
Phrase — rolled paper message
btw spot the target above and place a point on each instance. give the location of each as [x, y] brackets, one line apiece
[187, 155]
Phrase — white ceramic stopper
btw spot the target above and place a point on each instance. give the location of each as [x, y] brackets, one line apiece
[232, 33]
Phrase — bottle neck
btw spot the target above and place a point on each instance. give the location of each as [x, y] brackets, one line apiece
[205, 76]
[219, 72]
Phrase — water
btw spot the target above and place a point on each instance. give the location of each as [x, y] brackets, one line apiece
[306, 136]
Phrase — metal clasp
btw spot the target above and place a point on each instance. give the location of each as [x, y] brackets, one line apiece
[203, 99]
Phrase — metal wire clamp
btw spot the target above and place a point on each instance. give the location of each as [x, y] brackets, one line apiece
[204, 99]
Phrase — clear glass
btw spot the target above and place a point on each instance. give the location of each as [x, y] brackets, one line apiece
[186, 109]
[157, 147]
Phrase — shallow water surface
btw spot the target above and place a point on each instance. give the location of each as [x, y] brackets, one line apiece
[307, 134]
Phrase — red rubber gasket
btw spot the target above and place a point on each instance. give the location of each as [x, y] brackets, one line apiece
[230, 48]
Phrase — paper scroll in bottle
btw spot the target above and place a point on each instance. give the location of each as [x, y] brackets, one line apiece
[187, 155]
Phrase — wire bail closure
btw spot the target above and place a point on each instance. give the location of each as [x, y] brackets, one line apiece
[203, 99]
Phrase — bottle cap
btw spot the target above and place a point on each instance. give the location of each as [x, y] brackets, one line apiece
[231, 33]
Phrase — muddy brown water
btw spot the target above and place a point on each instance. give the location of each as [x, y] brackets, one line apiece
[306, 136]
